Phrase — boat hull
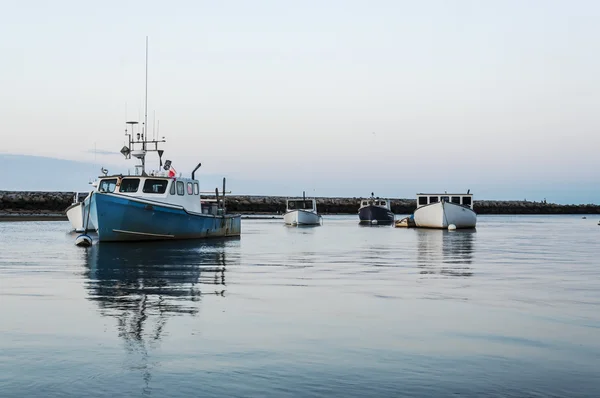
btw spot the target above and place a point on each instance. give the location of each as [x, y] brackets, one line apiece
[123, 218]
[375, 215]
[442, 214]
[300, 217]
[77, 215]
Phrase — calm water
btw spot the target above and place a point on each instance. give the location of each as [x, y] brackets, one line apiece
[512, 309]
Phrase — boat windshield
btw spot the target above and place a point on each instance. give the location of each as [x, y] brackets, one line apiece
[300, 204]
[155, 186]
[107, 185]
[129, 185]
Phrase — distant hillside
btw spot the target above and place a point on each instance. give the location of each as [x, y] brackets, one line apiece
[44, 174]
[37, 173]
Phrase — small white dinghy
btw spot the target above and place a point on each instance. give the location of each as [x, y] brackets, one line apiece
[84, 240]
[445, 211]
[301, 212]
[76, 214]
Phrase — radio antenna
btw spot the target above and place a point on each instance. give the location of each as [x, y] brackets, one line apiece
[146, 100]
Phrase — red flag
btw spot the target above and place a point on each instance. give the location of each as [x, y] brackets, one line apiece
[172, 172]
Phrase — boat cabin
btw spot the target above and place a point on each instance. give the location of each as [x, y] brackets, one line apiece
[184, 192]
[463, 199]
[301, 204]
[375, 202]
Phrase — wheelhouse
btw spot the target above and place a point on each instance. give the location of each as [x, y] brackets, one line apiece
[463, 199]
[183, 192]
[375, 202]
[301, 204]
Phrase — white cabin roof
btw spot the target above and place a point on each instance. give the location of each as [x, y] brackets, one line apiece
[444, 194]
[379, 202]
[182, 191]
[464, 199]
[301, 204]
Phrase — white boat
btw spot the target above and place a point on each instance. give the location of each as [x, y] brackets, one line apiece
[301, 212]
[446, 211]
[77, 215]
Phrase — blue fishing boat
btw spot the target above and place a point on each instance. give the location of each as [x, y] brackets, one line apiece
[154, 205]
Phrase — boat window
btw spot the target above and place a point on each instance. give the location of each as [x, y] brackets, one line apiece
[196, 189]
[190, 188]
[129, 185]
[456, 199]
[308, 204]
[172, 190]
[155, 186]
[107, 185]
[433, 199]
[445, 199]
[180, 188]
[467, 200]
[422, 200]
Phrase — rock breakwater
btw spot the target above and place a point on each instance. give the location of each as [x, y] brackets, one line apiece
[35, 202]
[276, 204]
[40, 203]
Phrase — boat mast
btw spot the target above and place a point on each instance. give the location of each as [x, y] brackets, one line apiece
[145, 132]
[141, 137]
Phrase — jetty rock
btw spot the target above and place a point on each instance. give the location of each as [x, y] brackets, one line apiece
[32, 202]
[344, 205]
[35, 201]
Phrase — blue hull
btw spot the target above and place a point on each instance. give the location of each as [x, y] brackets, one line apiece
[121, 218]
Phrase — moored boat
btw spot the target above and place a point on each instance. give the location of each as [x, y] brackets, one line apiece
[445, 211]
[375, 211]
[154, 205]
[301, 212]
[156, 208]
[76, 215]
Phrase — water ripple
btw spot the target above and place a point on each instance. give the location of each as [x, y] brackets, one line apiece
[509, 309]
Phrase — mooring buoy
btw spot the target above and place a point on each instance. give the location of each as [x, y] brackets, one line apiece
[83, 240]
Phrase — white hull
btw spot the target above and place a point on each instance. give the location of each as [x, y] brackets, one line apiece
[77, 215]
[443, 214]
[300, 217]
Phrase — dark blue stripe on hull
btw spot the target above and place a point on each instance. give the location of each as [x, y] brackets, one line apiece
[371, 213]
[125, 219]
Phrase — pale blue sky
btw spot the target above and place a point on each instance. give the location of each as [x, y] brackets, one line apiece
[500, 97]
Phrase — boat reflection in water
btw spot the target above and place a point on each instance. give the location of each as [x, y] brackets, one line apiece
[447, 253]
[143, 284]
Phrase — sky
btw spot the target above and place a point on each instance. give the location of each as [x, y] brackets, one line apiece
[335, 98]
